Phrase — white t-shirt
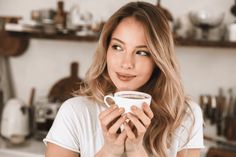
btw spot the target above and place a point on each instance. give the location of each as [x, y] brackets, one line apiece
[77, 128]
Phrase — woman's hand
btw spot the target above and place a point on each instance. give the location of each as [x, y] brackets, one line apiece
[111, 120]
[140, 119]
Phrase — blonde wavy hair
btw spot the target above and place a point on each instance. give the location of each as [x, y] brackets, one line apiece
[169, 102]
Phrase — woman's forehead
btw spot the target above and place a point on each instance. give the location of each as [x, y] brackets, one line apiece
[130, 30]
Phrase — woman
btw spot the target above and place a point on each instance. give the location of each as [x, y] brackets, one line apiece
[135, 52]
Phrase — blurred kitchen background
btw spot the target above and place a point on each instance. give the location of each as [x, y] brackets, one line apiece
[47, 46]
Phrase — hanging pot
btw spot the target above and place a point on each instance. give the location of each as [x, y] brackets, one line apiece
[233, 9]
[11, 45]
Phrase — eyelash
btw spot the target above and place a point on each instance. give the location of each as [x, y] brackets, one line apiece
[140, 52]
[117, 47]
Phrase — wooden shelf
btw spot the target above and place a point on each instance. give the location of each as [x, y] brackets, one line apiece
[68, 37]
[202, 43]
[94, 38]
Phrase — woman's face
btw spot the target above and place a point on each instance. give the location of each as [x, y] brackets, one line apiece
[129, 61]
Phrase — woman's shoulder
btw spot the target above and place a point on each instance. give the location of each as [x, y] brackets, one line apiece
[193, 116]
[78, 104]
[75, 104]
[190, 132]
[77, 100]
[194, 109]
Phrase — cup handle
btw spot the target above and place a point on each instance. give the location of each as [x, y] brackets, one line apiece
[105, 99]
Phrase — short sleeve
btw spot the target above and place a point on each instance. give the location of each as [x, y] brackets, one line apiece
[191, 130]
[63, 131]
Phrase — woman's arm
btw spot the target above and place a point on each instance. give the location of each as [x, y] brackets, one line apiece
[189, 152]
[54, 150]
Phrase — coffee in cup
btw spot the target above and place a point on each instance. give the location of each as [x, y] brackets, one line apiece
[126, 99]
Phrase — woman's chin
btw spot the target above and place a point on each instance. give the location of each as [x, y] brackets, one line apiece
[125, 89]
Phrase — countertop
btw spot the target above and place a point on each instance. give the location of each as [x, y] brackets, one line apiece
[36, 148]
[31, 147]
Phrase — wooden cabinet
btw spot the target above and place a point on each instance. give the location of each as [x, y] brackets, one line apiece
[220, 152]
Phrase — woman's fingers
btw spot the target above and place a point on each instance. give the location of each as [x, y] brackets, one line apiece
[107, 111]
[114, 128]
[141, 129]
[121, 137]
[146, 108]
[142, 115]
[112, 116]
[140, 118]
[112, 119]
[109, 117]
[129, 132]
[103, 114]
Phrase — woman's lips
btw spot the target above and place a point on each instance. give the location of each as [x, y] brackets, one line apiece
[125, 77]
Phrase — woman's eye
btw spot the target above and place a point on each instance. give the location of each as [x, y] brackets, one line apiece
[143, 53]
[117, 47]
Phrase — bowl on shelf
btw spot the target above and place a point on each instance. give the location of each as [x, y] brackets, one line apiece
[206, 20]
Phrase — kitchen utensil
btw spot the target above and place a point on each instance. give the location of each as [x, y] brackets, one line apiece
[9, 44]
[1, 103]
[86, 19]
[44, 115]
[46, 15]
[60, 17]
[36, 16]
[31, 110]
[205, 20]
[63, 89]
[6, 79]
[165, 11]
[233, 8]
[74, 22]
[10, 19]
[15, 121]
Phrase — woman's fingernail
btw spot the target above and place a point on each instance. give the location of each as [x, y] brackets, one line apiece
[121, 109]
[133, 107]
[145, 105]
[114, 106]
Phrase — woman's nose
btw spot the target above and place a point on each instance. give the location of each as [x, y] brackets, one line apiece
[127, 61]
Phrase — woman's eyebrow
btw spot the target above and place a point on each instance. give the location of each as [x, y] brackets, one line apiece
[139, 46]
[118, 40]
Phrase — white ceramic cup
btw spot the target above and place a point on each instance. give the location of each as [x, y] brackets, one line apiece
[126, 99]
